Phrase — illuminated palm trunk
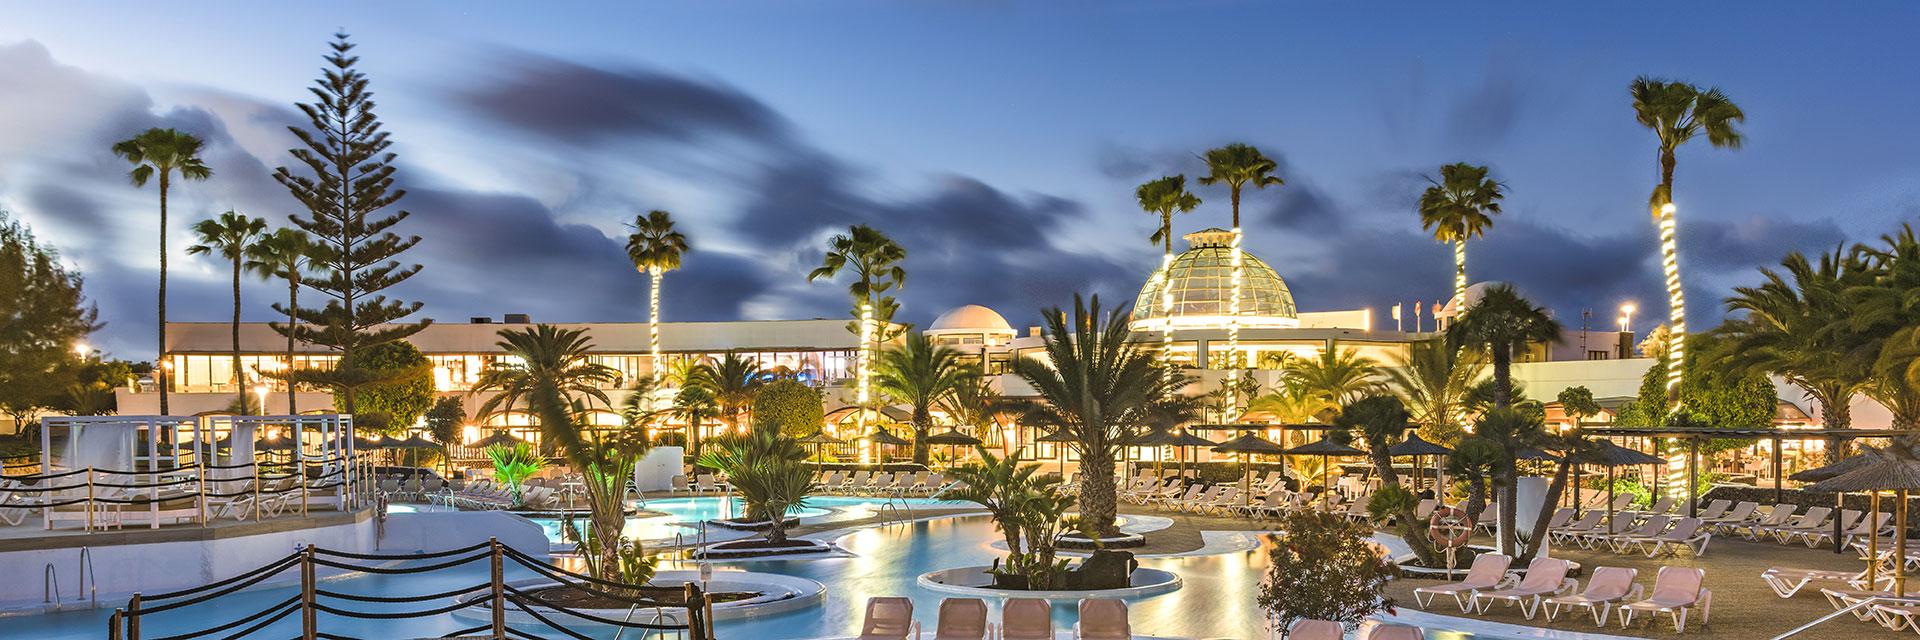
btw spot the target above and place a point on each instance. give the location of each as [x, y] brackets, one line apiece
[1459, 274]
[1676, 298]
[1237, 261]
[863, 363]
[653, 335]
[1166, 305]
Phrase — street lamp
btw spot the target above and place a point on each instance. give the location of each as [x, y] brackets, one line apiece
[82, 349]
[1626, 317]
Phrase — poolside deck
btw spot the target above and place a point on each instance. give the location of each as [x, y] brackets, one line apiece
[32, 536]
[1743, 607]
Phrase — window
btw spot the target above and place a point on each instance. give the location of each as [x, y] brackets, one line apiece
[1599, 354]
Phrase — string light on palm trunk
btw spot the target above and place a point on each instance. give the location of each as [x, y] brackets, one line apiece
[1459, 272]
[1166, 307]
[1676, 298]
[1233, 305]
[862, 363]
[653, 335]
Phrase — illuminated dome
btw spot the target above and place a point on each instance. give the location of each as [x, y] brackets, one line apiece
[1201, 284]
[971, 318]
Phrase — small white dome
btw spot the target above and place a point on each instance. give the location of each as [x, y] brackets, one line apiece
[1475, 292]
[971, 318]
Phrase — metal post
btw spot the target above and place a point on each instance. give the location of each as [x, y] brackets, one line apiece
[90, 506]
[499, 591]
[1778, 493]
[309, 616]
[1900, 547]
[300, 477]
[1693, 477]
[115, 624]
[203, 493]
[1873, 543]
[256, 491]
[1839, 511]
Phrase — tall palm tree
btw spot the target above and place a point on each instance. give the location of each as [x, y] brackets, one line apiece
[551, 373]
[695, 405]
[1238, 165]
[977, 405]
[1100, 389]
[876, 261]
[1432, 380]
[1788, 329]
[1887, 321]
[160, 153]
[1165, 197]
[921, 374]
[656, 248]
[732, 381]
[1502, 323]
[1335, 378]
[231, 236]
[1678, 112]
[283, 254]
[1459, 206]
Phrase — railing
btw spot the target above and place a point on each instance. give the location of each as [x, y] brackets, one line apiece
[495, 595]
[107, 494]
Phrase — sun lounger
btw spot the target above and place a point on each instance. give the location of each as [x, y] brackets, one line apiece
[1786, 582]
[1677, 591]
[1897, 615]
[1714, 509]
[1813, 519]
[1223, 502]
[1654, 525]
[1781, 515]
[1685, 534]
[1202, 501]
[1489, 570]
[1102, 619]
[1608, 587]
[1545, 577]
[1570, 532]
[1741, 513]
[1424, 509]
[1386, 631]
[1357, 510]
[1192, 493]
[1273, 502]
[1663, 505]
[1861, 528]
[1843, 598]
[1026, 619]
[1311, 629]
[889, 618]
[962, 619]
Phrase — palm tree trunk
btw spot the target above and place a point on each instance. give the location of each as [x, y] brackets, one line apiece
[1670, 264]
[1502, 376]
[653, 328]
[1460, 274]
[162, 377]
[1239, 275]
[239, 376]
[293, 302]
[922, 425]
[1835, 413]
[1509, 500]
[1097, 501]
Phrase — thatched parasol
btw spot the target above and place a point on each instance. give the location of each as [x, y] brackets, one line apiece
[1611, 455]
[1061, 437]
[1836, 469]
[1326, 448]
[499, 438]
[1245, 445]
[416, 442]
[885, 438]
[1895, 468]
[1417, 446]
[819, 440]
[953, 439]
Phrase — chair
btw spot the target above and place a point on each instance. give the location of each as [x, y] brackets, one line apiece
[1780, 514]
[1191, 493]
[1487, 572]
[1654, 525]
[1545, 577]
[1741, 513]
[1714, 509]
[1862, 527]
[1606, 589]
[1663, 505]
[1572, 531]
[1813, 519]
[1785, 581]
[962, 619]
[889, 618]
[1685, 534]
[679, 484]
[1311, 629]
[1676, 591]
[1560, 518]
[1026, 619]
[1102, 619]
[1272, 502]
[1395, 632]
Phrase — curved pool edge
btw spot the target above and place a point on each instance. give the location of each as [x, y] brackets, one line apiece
[1162, 582]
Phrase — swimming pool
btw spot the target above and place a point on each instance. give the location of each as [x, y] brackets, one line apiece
[683, 515]
[1216, 600]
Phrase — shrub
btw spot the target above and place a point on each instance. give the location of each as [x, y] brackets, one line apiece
[405, 389]
[788, 406]
[445, 418]
[1324, 567]
[513, 465]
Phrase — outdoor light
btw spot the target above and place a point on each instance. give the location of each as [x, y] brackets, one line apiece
[81, 349]
[1676, 297]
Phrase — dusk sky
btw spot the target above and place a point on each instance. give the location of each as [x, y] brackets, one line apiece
[1000, 142]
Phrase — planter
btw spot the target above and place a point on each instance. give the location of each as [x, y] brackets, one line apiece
[750, 525]
[756, 548]
[1122, 541]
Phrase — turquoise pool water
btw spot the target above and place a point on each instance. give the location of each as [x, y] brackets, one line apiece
[683, 514]
[1216, 601]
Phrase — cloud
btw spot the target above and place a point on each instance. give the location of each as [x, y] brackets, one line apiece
[1720, 245]
[584, 105]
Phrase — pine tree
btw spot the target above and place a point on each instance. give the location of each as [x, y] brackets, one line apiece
[355, 251]
[43, 316]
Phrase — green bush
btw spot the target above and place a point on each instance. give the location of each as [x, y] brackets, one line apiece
[1324, 567]
[789, 407]
[405, 391]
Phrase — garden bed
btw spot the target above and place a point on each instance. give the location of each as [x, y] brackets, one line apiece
[759, 548]
[750, 525]
[1122, 541]
[573, 597]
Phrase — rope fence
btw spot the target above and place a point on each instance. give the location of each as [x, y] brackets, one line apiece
[695, 607]
[191, 492]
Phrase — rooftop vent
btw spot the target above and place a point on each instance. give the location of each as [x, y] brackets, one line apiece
[479, 320]
[516, 318]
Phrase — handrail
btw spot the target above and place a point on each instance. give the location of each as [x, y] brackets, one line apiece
[89, 583]
[1823, 619]
[50, 585]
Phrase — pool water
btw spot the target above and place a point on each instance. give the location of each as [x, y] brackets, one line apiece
[682, 515]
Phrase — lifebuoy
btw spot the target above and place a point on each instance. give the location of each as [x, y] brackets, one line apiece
[1449, 527]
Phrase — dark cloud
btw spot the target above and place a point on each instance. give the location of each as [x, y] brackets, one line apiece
[1717, 245]
[1489, 113]
[1301, 205]
[586, 105]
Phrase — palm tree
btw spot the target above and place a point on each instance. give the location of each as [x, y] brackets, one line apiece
[655, 247]
[977, 405]
[769, 471]
[231, 236]
[920, 374]
[1677, 112]
[1794, 326]
[1099, 389]
[1335, 378]
[1457, 207]
[1885, 320]
[1502, 323]
[1381, 421]
[550, 371]
[876, 263]
[1432, 380]
[161, 152]
[732, 381]
[1165, 197]
[1238, 165]
[283, 254]
[694, 404]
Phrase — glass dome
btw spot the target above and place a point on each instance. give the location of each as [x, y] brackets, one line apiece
[1201, 281]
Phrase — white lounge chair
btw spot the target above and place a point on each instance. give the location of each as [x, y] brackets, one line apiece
[889, 618]
[1786, 582]
[1677, 591]
[1605, 590]
[1545, 577]
[962, 619]
[1103, 619]
[1685, 534]
[1311, 629]
[1026, 619]
[1489, 571]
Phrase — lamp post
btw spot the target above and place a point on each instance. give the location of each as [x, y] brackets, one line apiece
[1626, 317]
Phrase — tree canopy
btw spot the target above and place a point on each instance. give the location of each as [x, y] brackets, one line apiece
[43, 315]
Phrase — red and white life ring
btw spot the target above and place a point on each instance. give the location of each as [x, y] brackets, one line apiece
[1449, 527]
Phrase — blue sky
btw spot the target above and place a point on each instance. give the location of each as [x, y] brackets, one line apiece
[999, 141]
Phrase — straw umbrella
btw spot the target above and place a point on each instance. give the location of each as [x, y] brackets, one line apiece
[1897, 469]
[1062, 439]
[1417, 446]
[1835, 470]
[883, 437]
[953, 438]
[819, 440]
[1245, 445]
[1154, 438]
[1186, 440]
[1326, 448]
[499, 438]
[1612, 455]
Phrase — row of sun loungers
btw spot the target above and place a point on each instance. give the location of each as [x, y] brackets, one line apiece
[1677, 591]
[882, 483]
[1311, 629]
[491, 495]
[891, 618]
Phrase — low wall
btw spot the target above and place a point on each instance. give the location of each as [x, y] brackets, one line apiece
[429, 531]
